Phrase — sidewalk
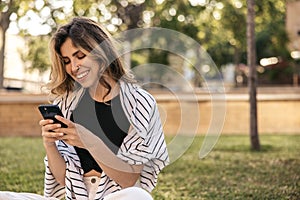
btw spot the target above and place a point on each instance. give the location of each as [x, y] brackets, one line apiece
[241, 93]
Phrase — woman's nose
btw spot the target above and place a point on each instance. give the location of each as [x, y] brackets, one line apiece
[75, 65]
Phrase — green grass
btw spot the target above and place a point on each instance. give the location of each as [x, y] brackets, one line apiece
[230, 171]
[233, 171]
[21, 164]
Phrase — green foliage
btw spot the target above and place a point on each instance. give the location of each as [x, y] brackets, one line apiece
[37, 56]
[230, 171]
[219, 26]
[271, 37]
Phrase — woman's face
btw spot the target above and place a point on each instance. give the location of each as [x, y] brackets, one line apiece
[81, 67]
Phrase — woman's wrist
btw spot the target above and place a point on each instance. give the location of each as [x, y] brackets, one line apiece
[49, 144]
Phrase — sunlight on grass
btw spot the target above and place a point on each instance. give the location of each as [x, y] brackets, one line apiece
[233, 171]
[230, 171]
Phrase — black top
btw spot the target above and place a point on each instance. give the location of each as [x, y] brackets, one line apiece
[106, 120]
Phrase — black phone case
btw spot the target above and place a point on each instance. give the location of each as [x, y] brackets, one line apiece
[48, 111]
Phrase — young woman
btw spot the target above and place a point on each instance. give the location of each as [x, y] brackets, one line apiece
[114, 144]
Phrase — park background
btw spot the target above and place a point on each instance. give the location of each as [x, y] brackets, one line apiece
[232, 170]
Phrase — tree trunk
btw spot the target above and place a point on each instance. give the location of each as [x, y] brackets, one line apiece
[2, 57]
[252, 79]
[4, 23]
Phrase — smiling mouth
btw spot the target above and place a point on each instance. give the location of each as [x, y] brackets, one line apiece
[82, 75]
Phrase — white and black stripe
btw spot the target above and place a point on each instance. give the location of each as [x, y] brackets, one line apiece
[144, 144]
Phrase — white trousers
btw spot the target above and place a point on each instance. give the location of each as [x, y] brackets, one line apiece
[125, 194]
[22, 196]
[130, 193]
[91, 184]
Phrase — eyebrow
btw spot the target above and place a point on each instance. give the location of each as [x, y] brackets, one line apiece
[73, 54]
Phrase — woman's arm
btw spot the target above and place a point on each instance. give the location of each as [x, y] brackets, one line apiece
[121, 172]
[56, 162]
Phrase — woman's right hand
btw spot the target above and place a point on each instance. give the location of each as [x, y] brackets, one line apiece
[49, 136]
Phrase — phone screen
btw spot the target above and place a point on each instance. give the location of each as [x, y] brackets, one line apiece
[48, 111]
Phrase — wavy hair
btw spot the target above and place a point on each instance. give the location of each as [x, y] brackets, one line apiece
[89, 37]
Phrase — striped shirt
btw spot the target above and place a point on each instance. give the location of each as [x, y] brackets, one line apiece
[144, 144]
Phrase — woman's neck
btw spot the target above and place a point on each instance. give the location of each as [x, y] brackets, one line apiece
[100, 93]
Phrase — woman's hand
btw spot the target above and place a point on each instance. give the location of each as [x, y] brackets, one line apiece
[49, 137]
[70, 134]
[52, 132]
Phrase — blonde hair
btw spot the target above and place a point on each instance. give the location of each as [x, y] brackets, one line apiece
[90, 37]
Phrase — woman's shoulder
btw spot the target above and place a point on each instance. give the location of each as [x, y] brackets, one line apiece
[135, 92]
[67, 96]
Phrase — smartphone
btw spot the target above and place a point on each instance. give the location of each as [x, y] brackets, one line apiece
[48, 111]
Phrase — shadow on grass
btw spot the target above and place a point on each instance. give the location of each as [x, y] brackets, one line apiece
[264, 148]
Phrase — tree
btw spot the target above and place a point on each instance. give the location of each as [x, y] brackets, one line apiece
[219, 26]
[104, 12]
[7, 8]
[19, 8]
[49, 13]
[37, 56]
[252, 80]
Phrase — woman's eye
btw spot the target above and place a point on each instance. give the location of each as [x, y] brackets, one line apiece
[66, 61]
[80, 55]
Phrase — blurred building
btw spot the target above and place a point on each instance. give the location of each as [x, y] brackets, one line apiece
[16, 77]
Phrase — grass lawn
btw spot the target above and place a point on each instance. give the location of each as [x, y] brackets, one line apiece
[230, 171]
